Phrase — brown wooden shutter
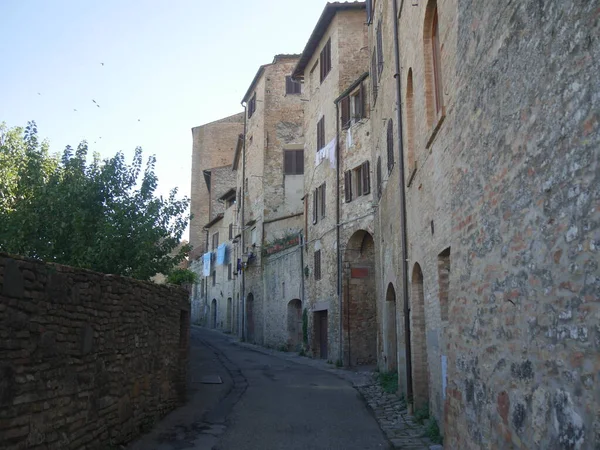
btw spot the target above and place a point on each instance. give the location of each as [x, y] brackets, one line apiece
[299, 162]
[379, 180]
[315, 204]
[359, 179]
[323, 191]
[390, 145]
[348, 186]
[362, 101]
[230, 231]
[288, 162]
[366, 184]
[345, 105]
[373, 75]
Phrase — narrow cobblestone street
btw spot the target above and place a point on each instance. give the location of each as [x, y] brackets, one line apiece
[276, 400]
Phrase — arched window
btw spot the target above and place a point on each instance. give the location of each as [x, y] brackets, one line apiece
[410, 125]
[433, 68]
[390, 145]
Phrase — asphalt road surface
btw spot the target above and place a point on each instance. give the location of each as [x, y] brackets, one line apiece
[264, 403]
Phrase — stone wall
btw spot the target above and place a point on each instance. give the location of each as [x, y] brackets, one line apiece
[525, 278]
[87, 360]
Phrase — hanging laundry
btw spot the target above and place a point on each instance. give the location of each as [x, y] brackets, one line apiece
[349, 138]
[221, 250]
[206, 264]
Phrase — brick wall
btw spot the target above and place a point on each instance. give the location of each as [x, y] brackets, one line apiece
[86, 359]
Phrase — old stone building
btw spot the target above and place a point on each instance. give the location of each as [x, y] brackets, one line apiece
[213, 195]
[213, 145]
[270, 169]
[489, 306]
[339, 250]
[429, 197]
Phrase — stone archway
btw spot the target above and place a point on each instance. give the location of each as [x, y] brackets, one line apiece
[294, 324]
[360, 309]
[250, 317]
[418, 340]
[213, 313]
[391, 327]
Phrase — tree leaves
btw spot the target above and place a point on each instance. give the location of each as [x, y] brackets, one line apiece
[99, 215]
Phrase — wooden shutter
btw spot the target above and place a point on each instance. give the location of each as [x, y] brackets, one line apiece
[390, 145]
[315, 204]
[379, 180]
[379, 50]
[345, 105]
[366, 178]
[299, 154]
[369, 11]
[321, 133]
[317, 264]
[230, 231]
[359, 179]
[373, 75]
[288, 162]
[362, 101]
[348, 186]
[323, 190]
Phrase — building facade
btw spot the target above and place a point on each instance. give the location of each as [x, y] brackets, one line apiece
[426, 199]
[338, 215]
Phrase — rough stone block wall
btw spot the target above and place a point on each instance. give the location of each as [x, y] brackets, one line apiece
[87, 360]
[525, 341]
[213, 146]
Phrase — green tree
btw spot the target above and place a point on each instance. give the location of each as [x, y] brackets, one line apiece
[104, 215]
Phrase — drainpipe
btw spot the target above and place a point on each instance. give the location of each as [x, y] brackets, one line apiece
[337, 228]
[404, 265]
[243, 290]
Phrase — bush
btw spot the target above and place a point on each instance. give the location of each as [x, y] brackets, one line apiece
[182, 276]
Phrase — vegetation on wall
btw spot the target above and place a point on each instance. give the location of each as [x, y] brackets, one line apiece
[278, 245]
[181, 276]
[99, 215]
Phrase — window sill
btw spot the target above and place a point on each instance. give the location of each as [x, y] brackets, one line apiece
[438, 124]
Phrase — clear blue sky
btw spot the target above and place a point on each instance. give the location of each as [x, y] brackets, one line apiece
[171, 64]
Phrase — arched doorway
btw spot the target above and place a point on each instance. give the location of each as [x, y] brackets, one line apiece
[360, 310]
[294, 324]
[213, 313]
[418, 339]
[250, 317]
[391, 333]
[229, 312]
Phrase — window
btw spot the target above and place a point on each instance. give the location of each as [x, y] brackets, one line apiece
[215, 240]
[379, 179]
[325, 59]
[317, 269]
[230, 231]
[373, 75]
[410, 125]
[229, 271]
[214, 277]
[379, 50]
[319, 198]
[252, 105]
[390, 145]
[357, 182]
[433, 68]
[292, 86]
[293, 162]
[444, 281]
[321, 133]
[353, 107]
[437, 76]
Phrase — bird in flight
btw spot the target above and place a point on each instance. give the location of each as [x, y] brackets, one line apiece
[39, 93]
[139, 120]
[102, 63]
[94, 100]
[74, 109]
